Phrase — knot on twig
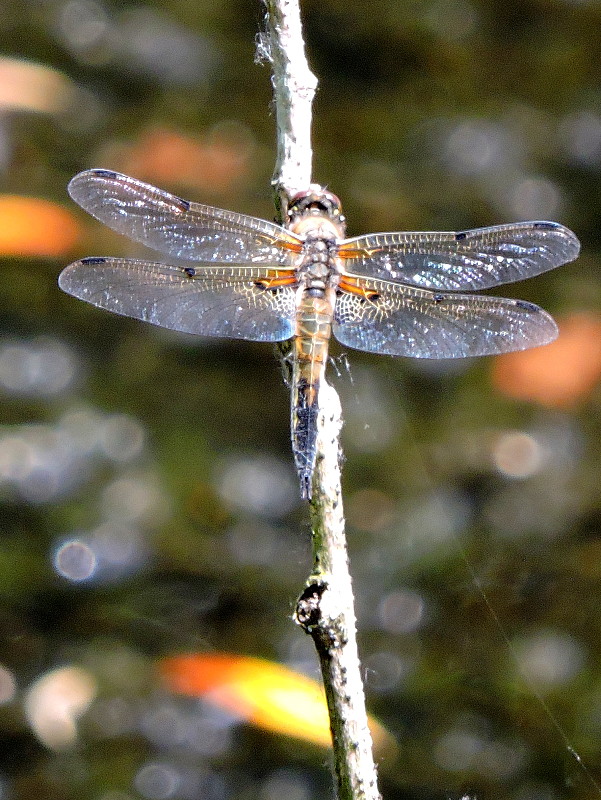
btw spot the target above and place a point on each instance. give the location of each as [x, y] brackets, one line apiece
[328, 633]
[308, 606]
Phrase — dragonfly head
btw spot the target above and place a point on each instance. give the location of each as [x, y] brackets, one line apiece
[316, 202]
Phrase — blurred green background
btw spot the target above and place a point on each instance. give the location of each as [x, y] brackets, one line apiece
[149, 501]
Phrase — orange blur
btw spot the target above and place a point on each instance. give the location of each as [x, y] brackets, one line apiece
[30, 226]
[262, 692]
[558, 375]
[219, 160]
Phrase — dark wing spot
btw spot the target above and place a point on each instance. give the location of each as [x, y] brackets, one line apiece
[526, 306]
[190, 271]
[551, 226]
[438, 298]
[183, 204]
[93, 261]
[461, 235]
[105, 173]
[339, 292]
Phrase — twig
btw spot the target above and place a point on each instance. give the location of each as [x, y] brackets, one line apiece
[294, 87]
[325, 609]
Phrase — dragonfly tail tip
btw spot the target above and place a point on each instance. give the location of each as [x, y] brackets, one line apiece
[306, 485]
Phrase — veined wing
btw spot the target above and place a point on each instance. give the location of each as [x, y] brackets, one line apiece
[468, 260]
[394, 319]
[231, 301]
[167, 223]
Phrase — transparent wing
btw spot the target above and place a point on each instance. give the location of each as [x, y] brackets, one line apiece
[406, 321]
[226, 301]
[177, 227]
[468, 260]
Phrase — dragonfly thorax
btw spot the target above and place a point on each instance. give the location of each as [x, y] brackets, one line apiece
[317, 265]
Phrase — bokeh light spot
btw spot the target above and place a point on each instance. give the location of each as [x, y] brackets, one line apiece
[261, 485]
[122, 437]
[132, 498]
[517, 455]
[384, 670]
[401, 611]
[581, 134]
[457, 750]
[75, 560]
[549, 658]
[535, 198]
[55, 701]
[478, 146]
[81, 24]
[157, 781]
[41, 366]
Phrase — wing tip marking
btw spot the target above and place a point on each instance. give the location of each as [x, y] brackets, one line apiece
[181, 203]
[103, 173]
[93, 260]
[546, 225]
[526, 306]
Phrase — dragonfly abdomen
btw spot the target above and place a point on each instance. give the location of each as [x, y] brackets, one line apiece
[312, 336]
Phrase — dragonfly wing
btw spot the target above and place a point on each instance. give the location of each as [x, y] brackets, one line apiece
[468, 260]
[167, 223]
[226, 301]
[406, 321]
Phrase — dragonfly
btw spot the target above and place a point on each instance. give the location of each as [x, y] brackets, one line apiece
[241, 277]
